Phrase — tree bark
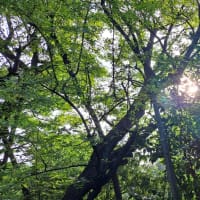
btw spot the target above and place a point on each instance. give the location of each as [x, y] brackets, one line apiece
[166, 153]
[117, 189]
[103, 165]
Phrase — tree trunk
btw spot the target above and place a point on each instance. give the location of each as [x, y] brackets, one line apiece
[103, 162]
[118, 194]
[166, 153]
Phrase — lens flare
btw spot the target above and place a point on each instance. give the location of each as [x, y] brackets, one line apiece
[188, 87]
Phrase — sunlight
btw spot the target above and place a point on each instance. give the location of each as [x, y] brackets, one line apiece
[188, 87]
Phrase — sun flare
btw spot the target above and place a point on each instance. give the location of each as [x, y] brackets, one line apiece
[188, 87]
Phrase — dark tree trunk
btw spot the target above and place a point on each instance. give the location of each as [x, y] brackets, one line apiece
[166, 153]
[105, 161]
[117, 189]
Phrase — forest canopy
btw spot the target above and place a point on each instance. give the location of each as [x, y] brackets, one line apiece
[99, 99]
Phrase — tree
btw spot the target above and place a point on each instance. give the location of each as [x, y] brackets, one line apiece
[82, 103]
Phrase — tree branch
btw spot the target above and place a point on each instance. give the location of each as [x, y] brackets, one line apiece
[57, 169]
[118, 27]
[66, 98]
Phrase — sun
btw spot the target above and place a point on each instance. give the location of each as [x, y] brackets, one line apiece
[188, 87]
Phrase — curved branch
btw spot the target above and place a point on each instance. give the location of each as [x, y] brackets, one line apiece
[95, 120]
[66, 98]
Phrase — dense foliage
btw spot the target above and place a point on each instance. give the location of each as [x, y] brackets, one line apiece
[96, 99]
